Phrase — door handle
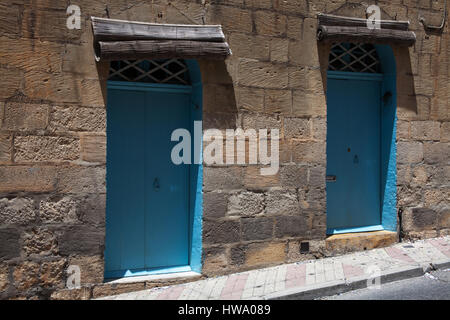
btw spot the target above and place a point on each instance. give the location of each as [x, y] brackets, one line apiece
[331, 178]
[156, 185]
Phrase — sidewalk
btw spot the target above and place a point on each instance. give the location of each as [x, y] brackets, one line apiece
[313, 278]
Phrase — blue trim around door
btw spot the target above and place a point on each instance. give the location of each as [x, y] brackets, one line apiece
[195, 205]
[388, 188]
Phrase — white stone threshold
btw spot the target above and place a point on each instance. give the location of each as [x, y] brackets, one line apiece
[153, 277]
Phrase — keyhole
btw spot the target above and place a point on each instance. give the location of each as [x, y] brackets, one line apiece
[355, 159]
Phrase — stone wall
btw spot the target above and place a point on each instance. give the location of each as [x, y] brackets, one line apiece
[53, 119]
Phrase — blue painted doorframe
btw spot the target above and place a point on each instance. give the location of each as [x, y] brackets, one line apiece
[375, 209]
[148, 231]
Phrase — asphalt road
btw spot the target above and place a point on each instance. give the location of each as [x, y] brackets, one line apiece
[432, 286]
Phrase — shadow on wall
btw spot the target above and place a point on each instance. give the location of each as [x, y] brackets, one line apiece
[219, 103]
[103, 73]
[406, 96]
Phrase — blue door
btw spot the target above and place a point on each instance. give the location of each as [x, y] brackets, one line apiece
[353, 152]
[147, 213]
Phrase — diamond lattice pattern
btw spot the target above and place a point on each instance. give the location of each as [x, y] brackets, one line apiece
[353, 57]
[169, 71]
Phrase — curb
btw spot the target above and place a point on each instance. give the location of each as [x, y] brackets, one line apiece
[341, 286]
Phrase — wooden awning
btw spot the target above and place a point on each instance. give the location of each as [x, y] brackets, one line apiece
[122, 40]
[333, 28]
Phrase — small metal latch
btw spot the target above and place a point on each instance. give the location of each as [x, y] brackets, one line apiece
[331, 178]
[156, 184]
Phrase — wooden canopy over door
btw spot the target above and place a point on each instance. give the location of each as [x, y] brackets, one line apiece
[122, 40]
[337, 29]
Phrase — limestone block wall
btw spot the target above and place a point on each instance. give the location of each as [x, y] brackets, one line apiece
[53, 133]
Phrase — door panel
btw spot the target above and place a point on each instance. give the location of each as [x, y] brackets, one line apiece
[167, 238]
[146, 221]
[353, 153]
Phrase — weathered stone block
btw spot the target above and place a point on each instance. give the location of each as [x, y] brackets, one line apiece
[40, 241]
[219, 98]
[231, 18]
[291, 6]
[265, 254]
[294, 27]
[282, 201]
[9, 243]
[424, 218]
[245, 204]
[12, 79]
[4, 277]
[308, 105]
[444, 218]
[53, 274]
[319, 129]
[24, 116]
[445, 132]
[93, 147]
[49, 24]
[215, 204]
[403, 129]
[217, 178]
[297, 128]
[92, 209]
[214, 260]
[227, 231]
[253, 179]
[270, 24]
[247, 46]
[78, 179]
[260, 121]
[44, 148]
[251, 99]
[425, 130]
[309, 152]
[17, 211]
[294, 176]
[5, 146]
[409, 152]
[437, 153]
[26, 275]
[278, 101]
[237, 254]
[279, 50]
[257, 228]
[32, 55]
[58, 209]
[305, 52]
[290, 226]
[220, 120]
[253, 73]
[71, 118]
[317, 177]
[342, 243]
[83, 240]
[31, 179]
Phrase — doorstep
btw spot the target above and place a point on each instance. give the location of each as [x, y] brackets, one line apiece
[347, 242]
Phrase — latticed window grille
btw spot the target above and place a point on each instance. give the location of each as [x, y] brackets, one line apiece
[354, 57]
[168, 71]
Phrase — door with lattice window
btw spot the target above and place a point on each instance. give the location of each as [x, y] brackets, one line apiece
[147, 214]
[354, 85]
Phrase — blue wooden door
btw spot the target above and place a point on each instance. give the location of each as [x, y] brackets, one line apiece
[353, 154]
[147, 214]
